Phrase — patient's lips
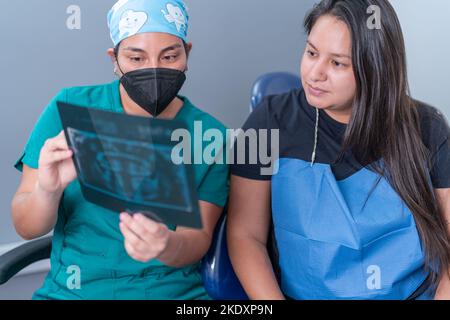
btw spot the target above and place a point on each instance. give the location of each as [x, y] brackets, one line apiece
[315, 91]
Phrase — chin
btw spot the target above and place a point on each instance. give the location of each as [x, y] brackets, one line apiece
[319, 103]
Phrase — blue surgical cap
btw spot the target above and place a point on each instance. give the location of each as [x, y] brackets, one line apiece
[130, 17]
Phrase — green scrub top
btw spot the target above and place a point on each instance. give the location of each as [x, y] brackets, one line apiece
[87, 243]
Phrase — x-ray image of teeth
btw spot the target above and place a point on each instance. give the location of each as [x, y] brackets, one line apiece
[128, 170]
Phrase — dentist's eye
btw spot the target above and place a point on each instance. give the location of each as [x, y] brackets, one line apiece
[169, 58]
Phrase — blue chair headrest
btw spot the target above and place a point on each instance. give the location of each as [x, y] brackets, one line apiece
[271, 84]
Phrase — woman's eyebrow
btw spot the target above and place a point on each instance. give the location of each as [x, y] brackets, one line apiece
[313, 46]
[172, 47]
[339, 55]
[139, 50]
[134, 49]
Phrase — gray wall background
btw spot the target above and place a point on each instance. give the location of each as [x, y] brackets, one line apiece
[235, 41]
[426, 28]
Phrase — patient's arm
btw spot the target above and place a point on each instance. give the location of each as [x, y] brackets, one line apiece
[247, 231]
[443, 195]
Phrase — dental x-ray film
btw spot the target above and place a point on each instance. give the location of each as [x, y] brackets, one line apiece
[124, 163]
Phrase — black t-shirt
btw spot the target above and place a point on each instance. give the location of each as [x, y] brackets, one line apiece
[296, 120]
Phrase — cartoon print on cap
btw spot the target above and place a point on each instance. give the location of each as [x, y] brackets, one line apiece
[131, 22]
[175, 15]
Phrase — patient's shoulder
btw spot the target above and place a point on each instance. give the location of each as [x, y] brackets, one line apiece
[278, 111]
[433, 124]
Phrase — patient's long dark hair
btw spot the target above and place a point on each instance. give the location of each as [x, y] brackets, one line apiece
[385, 122]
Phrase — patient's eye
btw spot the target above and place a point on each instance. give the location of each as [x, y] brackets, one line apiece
[338, 64]
[310, 53]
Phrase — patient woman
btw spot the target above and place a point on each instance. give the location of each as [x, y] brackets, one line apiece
[360, 195]
[120, 256]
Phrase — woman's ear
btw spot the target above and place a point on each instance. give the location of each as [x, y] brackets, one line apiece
[188, 49]
[110, 52]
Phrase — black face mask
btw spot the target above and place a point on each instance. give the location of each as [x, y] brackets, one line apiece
[153, 89]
